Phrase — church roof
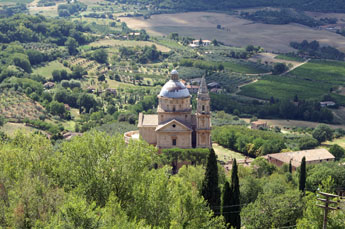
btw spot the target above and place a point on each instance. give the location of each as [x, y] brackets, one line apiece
[185, 125]
[147, 120]
[174, 89]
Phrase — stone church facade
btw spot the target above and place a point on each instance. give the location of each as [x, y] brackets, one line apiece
[174, 125]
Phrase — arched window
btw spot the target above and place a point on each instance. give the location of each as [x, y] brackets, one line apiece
[203, 107]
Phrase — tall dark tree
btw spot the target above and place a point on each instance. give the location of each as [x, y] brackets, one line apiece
[226, 202]
[302, 175]
[290, 167]
[234, 213]
[210, 188]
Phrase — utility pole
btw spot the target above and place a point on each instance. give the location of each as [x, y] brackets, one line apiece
[326, 207]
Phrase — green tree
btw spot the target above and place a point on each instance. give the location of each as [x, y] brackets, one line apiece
[2, 120]
[210, 189]
[273, 210]
[57, 108]
[235, 209]
[302, 175]
[72, 45]
[101, 56]
[279, 68]
[337, 151]
[226, 202]
[323, 133]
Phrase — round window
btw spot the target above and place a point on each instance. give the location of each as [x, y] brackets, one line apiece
[174, 125]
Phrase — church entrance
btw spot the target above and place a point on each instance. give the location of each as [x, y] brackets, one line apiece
[194, 139]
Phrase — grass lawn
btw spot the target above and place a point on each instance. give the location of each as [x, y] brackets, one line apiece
[47, 70]
[225, 154]
[339, 141]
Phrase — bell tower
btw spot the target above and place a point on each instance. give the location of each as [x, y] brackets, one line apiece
[203, 119]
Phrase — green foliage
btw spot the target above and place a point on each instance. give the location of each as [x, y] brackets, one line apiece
[41, 29]
[320, 172]
[272, 210]
[235, 209]
[210, 189]
[66, 10]
[57, 108]
[247, 141]
[314, 50]
[302, 175]
[279, 68]
[262, 167]
[195, 156]
[2, 120]
[337, 151]
[100, 55]
[323, 133]
[72, 45]
[307, 142]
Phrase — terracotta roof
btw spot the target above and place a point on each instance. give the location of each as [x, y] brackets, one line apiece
[296, 157]
[148, 120]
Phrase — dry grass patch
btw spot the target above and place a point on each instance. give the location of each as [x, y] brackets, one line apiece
[128, 43]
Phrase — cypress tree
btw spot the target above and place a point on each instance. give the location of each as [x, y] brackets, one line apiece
[210, 190]
[290, 167]
[235, 218]
[302, 175]
[226, 202]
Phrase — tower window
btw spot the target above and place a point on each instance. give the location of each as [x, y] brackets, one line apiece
[174, 108]
[174, 142]
[203, 107]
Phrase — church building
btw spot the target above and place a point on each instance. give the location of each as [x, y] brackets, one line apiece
[175, 125]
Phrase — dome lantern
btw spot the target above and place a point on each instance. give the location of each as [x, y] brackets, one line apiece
[174, 75]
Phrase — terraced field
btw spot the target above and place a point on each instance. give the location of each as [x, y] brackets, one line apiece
[310, 81]
[17, 106]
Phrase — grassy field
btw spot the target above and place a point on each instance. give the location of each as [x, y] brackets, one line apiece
[290, 58]
[237, 32]
[11, 128]
[242, 68]
[338, 141]
[47, 70]
[225, 154]
[310, 81]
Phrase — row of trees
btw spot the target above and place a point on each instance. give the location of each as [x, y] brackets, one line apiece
[313, 49]
[303, 110]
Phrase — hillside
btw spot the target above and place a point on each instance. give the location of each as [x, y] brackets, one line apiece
[199, 5]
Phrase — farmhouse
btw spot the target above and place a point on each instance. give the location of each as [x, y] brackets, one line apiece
[258, 125]
[313, 156]
[193, 89]
[327, 104]
[197, 43]
[48, 85]
[175, 125]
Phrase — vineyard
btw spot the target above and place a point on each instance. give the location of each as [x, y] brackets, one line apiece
[17, 106]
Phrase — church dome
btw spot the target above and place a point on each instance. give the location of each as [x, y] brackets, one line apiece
[174, 88]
